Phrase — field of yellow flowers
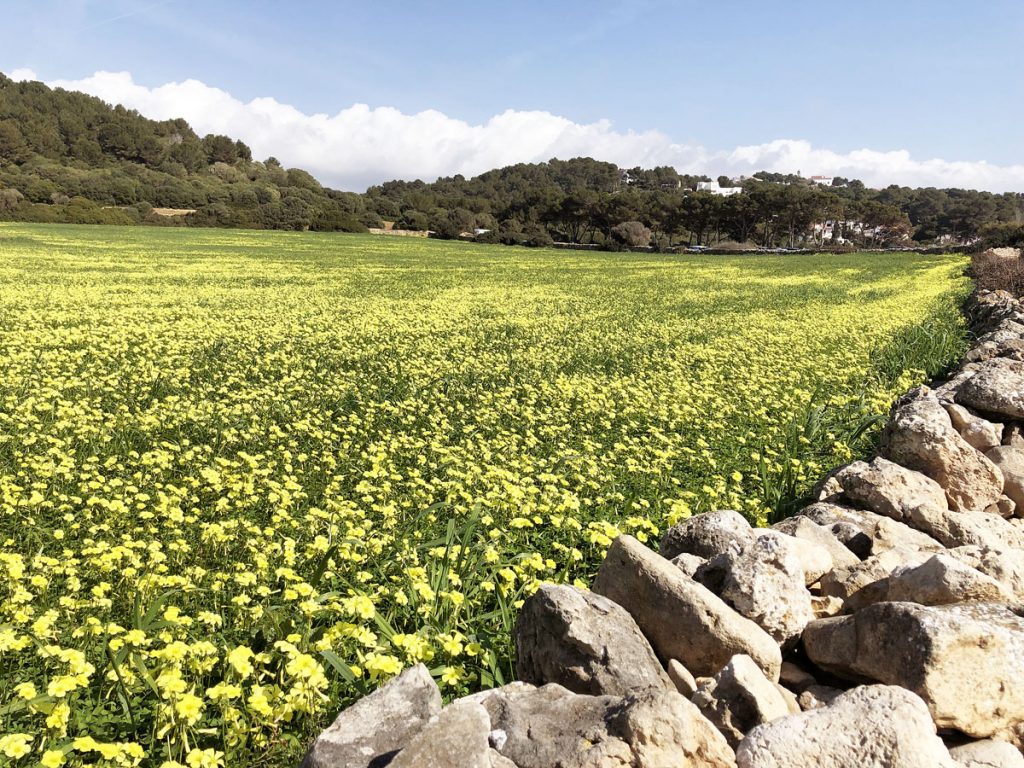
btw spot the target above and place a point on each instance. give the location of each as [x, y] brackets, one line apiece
[245, 477]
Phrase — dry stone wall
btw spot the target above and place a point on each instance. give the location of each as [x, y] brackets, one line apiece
[880, 627]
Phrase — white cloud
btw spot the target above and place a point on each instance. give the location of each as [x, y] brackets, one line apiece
[361, 145]
[23, 74]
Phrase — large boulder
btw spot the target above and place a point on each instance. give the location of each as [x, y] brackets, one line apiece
[374, 729]
[584, 642]
[803, 528]
[912, 498]
[456, 737]
[1005, 565]
[815, 559]
[920, 436]
[1010, 460]
[888, 489]
[964, 660]
[996, 387]
[980, 433]
[681, 619]
[874, 726]
[940, 580]
[706, 535]
[763, 580]
[845, 582]
[987, 753]
[868, 533]
[739, 698]
[551, 726]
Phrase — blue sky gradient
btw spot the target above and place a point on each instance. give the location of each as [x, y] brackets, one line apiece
[940, 79]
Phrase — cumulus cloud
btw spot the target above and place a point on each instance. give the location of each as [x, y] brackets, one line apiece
[361, 145]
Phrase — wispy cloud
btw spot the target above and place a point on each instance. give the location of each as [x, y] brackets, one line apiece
[126, 15]
[361, 145]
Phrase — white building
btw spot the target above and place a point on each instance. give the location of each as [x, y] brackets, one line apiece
[825, 181]
[716, 189]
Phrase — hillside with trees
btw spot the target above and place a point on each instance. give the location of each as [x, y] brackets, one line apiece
[69, 157]
[586, 201]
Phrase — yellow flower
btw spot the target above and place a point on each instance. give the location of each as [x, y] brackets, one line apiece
[258, 701]
[189, 707]
[52, 758]
[239, 659]
[25, 690]
[204, 758]
[452, 675]
[15, 745]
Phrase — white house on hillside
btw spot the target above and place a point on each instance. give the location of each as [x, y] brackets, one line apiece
[716, 189]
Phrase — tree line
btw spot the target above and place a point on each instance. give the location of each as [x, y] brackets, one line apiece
[589, 202]
[69, 157]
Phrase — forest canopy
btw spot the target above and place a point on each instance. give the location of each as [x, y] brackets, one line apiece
[69, 157]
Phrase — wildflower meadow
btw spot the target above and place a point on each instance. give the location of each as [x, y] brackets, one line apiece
[245, 477]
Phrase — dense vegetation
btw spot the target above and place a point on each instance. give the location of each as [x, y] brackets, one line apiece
[246, 476]
[68, 157]
[585, 201]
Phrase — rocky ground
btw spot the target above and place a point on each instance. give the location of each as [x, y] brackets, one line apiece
[880, 627]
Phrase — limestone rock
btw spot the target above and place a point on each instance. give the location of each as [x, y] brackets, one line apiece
[912, 498]
[920, 436]
[1005, 565]
[795, 677]
[379, 725]
[681, 619]
[1010, 460]
[551, 726]
[584, 642]
[889, 489]
[739, 698]
[995, 346]
[964, 660]
[946, 392]
[979, 432]
[1004, 506]
[764, 581]
[1013, 434]
[996, 387]
[942, 580]
[869, 727]
[688, 563]
[681, 678]
[826, 605]
[878, 532]
[792, 704]
[802, 527]
[988, 753]
[815, 559]
[499, 761]
[845, 582]
[706, 535]
[456, 737]
[818, 697]
[827, 488]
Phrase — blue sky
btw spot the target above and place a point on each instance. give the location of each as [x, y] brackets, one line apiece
[935, 79]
